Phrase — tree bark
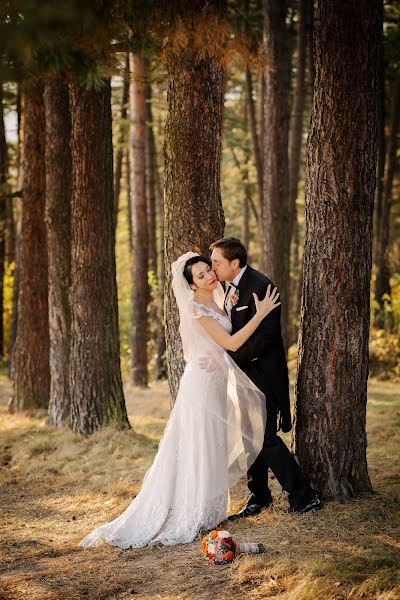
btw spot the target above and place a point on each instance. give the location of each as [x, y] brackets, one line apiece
[121, 143]
[296, 117]
[331, 386]
[161, 367]
[3, 212]
[17, 229]
[30, 363]
[58, 222]
[380, 174]
[382, 285]
[276, 172]
[140, 291]
[193, 209]
[258, 162]
[295, 145]
[151, 166]
[97, 397]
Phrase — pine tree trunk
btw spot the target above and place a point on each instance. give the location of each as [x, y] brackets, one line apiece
[58, 222]
[30, 363]
[97, 397]
[17, 231]
[382, 286]
[193, 209]
[331, 386]
[121, 143]
[151, 166]
[276, 172]
[161, 367]
[296, 118]
[380, 173]
[258, 162]
[140, 292]
[295, 144]
[3, 212]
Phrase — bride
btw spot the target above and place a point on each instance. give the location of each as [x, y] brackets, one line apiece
[215, 430]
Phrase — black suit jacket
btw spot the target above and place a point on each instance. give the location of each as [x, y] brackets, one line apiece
[262, 357]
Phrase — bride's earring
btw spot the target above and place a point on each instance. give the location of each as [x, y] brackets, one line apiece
[193, 288]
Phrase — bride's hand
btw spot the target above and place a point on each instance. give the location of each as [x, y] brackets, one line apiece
[265, 306]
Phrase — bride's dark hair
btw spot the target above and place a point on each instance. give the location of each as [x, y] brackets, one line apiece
[187, 269]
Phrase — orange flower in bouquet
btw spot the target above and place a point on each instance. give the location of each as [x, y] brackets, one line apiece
[220, 549]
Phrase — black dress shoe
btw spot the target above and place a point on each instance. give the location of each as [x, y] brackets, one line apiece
[313, 504]
[250, 510]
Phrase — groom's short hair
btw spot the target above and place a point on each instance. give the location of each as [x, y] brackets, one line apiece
[231, 249]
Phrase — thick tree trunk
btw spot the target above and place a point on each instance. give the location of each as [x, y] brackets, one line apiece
[121, 143]
[97, 397]
[382, 286]
[193, 208]
[3, 212]
[331, 385]
[140, 291]
[58, 222]
[30, 364]
[276, 172]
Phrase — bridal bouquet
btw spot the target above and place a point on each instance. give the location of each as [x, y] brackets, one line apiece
[220, 548]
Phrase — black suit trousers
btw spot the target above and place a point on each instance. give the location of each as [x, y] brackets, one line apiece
[276, 456]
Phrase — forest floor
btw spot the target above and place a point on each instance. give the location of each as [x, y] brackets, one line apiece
[56, 487]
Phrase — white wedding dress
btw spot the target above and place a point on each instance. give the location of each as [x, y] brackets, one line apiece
[214, 433]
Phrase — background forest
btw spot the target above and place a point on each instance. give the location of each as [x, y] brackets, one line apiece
[131, 133]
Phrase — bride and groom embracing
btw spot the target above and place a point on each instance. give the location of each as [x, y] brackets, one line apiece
[233, 397]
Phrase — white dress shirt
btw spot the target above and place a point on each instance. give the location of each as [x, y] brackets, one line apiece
[232, 289]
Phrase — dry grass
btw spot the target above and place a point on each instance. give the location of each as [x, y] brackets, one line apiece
[56, 487]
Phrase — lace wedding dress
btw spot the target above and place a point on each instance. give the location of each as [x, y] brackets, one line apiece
[214, 433]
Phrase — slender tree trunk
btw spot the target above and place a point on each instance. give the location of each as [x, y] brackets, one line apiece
[382, 286]
[30, 364]
[140, 292]
[97, 397]
[128, 193]
[295, 145]
[310, 46]
[331, 387]
[151, 166]
[17, 228]
[121, 143]
[193, 208]
[258, 162]
[296, 118]
[380, 175]
[3, 212]
[276, 173]
[58, 222]
[297, 262]
[161, 368]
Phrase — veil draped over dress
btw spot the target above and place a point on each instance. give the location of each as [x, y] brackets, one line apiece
[214, 433]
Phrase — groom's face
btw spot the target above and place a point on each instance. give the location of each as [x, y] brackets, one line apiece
[224, 269]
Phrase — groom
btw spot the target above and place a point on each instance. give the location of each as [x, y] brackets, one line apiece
[263, 360]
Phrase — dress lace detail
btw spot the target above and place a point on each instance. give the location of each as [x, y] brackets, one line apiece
[200, 310]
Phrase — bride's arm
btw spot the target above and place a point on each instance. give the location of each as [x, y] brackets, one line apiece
[235, 341]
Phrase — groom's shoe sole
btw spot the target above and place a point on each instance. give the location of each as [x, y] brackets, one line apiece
[248, 511]
[311, 505]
